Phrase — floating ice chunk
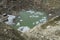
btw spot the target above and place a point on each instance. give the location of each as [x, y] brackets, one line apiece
[37, 22]
[21, 20]
[42, 20]
[23, 29]
[39, 13]
[18, 24]
[30, 11]
[10, 20]
[33, 23]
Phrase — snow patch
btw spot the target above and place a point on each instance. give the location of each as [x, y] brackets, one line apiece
[30, 11]
[10, 20]
[23, 28]
[21, 20]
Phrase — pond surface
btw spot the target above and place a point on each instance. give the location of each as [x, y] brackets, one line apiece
[30, 18]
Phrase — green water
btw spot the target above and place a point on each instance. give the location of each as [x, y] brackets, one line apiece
[29, 19]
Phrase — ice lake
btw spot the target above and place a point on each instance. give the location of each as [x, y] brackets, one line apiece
[30, 18]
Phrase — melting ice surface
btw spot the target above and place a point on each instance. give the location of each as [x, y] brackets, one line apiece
[29, 18]
[10, 19]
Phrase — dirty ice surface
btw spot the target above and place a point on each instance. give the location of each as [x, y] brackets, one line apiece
[10, 20]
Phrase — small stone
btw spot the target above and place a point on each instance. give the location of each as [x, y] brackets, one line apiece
[48, 26]
[9, 39]
[42, 36]
[50, 14]
[5, 29]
